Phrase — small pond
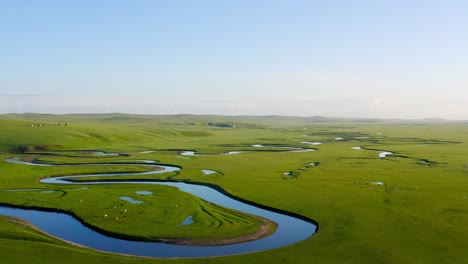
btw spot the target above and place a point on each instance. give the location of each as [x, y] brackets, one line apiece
[233, 152]
[311, 143]
[384, 154]
[131, 200]
[187, 221]
[209, 172]
[188, 153]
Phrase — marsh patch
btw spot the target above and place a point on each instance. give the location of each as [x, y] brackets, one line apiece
[312, 143]
[147, 151]
[131, 200]
[233, 152]
[144, 193]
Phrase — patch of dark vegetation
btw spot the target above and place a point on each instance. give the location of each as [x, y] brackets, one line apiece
[99, 137]
[354, 158]
[435, 141]
[291, 175]
[124, 119]
[29, 148]
[367, 140]
[173, 175]
[427, 162]
[232, 145]
[376, 149]
[64, 123]
[266, 147]
[387, 188]
[221, 124]
[195, 133]
[82, 153]
[412, 140]
[297, 173]
[455, 210]
[177, 150]
[395, 157]
[338, 134]
[359, 161]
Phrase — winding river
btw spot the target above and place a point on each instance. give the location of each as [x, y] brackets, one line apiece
[292, 228]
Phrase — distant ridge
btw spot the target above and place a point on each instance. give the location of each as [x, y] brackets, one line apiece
[125, 117]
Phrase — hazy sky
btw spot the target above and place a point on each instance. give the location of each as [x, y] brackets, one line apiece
[388, 58]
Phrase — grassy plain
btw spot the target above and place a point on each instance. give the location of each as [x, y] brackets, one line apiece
[417, 215]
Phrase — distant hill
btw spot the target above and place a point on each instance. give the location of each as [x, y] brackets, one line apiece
[268, 119]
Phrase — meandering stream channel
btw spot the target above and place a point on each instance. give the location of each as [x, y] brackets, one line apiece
[292, 228]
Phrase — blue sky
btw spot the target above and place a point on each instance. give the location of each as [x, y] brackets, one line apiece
[389, 59]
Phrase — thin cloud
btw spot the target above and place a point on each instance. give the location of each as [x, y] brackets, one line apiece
[378, 102]
[29, 95]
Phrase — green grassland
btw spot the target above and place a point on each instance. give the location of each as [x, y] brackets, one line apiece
[159, 216]
[417, 215]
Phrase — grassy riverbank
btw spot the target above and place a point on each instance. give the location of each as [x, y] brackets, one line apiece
[407, 208]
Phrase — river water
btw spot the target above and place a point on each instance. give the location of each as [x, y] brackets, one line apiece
[291, 228]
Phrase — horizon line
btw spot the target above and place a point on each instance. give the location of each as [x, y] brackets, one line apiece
[433, 119]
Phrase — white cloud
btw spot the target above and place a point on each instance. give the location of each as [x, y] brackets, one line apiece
[381, 103]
